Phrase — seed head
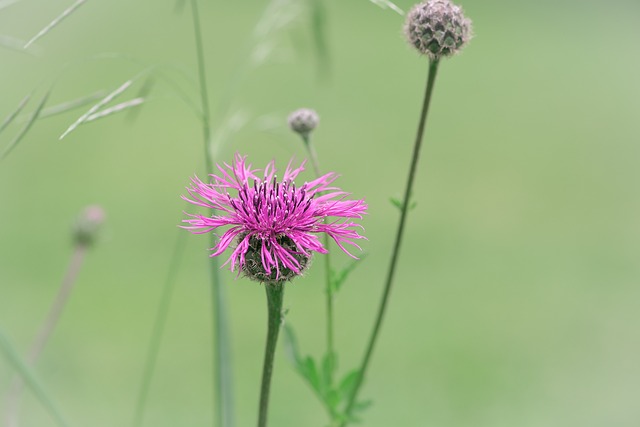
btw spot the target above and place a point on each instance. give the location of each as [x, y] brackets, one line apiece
[303, 121]
[437, 28]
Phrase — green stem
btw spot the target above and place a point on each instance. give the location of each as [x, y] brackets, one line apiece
[433, 69]
[29, 377]
[158, 328]
[327, 266]
[275, 294]
[223, 381]
[46, 330]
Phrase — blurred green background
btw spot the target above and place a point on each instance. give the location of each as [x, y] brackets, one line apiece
[517, 300]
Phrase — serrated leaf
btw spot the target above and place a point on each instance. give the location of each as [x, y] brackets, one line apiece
[306, 366]
[347, 383]
[309, 371]
[338, 278]
[329, 364]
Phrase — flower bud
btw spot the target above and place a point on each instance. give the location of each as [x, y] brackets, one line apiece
[86, 226]
[437, 28]
[303, 121]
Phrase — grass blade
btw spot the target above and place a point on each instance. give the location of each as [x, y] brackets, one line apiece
[223, 367]
[143, 93]
[26, 127]
[7, 3]
[55, 22]
[115, 109]
[319, 32]
[13, 44]
[7, 121]
[387, 4]
[96, 107]
[30, 379]
[158, 327]
[54, 110]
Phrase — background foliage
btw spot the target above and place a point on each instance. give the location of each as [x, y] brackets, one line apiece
[517, 300]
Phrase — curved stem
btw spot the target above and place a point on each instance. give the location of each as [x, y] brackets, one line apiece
[223, 381]
[275, 294]
[46, 330]
[327, 267]
[433, 69]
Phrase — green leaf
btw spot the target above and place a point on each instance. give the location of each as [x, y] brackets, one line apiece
[347, 383]
[329, 364]
[305, 366]
[398, 203]
[338, 278]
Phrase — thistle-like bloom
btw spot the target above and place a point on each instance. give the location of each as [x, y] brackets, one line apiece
[274, 224]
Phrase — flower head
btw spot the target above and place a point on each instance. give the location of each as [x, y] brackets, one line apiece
[303, 121]
[273, 223]
[437, 28]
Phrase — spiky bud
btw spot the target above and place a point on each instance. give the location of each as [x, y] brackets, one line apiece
[253, 266]
[86, 225]
[437, 28]
[303, 121]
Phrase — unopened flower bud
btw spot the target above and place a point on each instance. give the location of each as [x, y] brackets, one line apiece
[303, 121]
[437, 28]
[87, 224]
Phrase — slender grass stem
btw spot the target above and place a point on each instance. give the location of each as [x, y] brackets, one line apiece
[68, 282]
[31, 380]
[223, 382]
[327, 266]
[431, 78]
[275, 295]
[158, 328]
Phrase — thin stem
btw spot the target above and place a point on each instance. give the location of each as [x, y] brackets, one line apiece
[68, 282]
[275, 294]
[327, 267]
[31, 380]
[223, 382]
[433, 69]
[158, 328]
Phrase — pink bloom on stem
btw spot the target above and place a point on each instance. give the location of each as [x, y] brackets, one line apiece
[274, 224]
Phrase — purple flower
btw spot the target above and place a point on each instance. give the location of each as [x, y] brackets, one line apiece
[274, 224]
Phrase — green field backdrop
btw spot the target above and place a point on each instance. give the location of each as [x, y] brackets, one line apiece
[517, 301]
